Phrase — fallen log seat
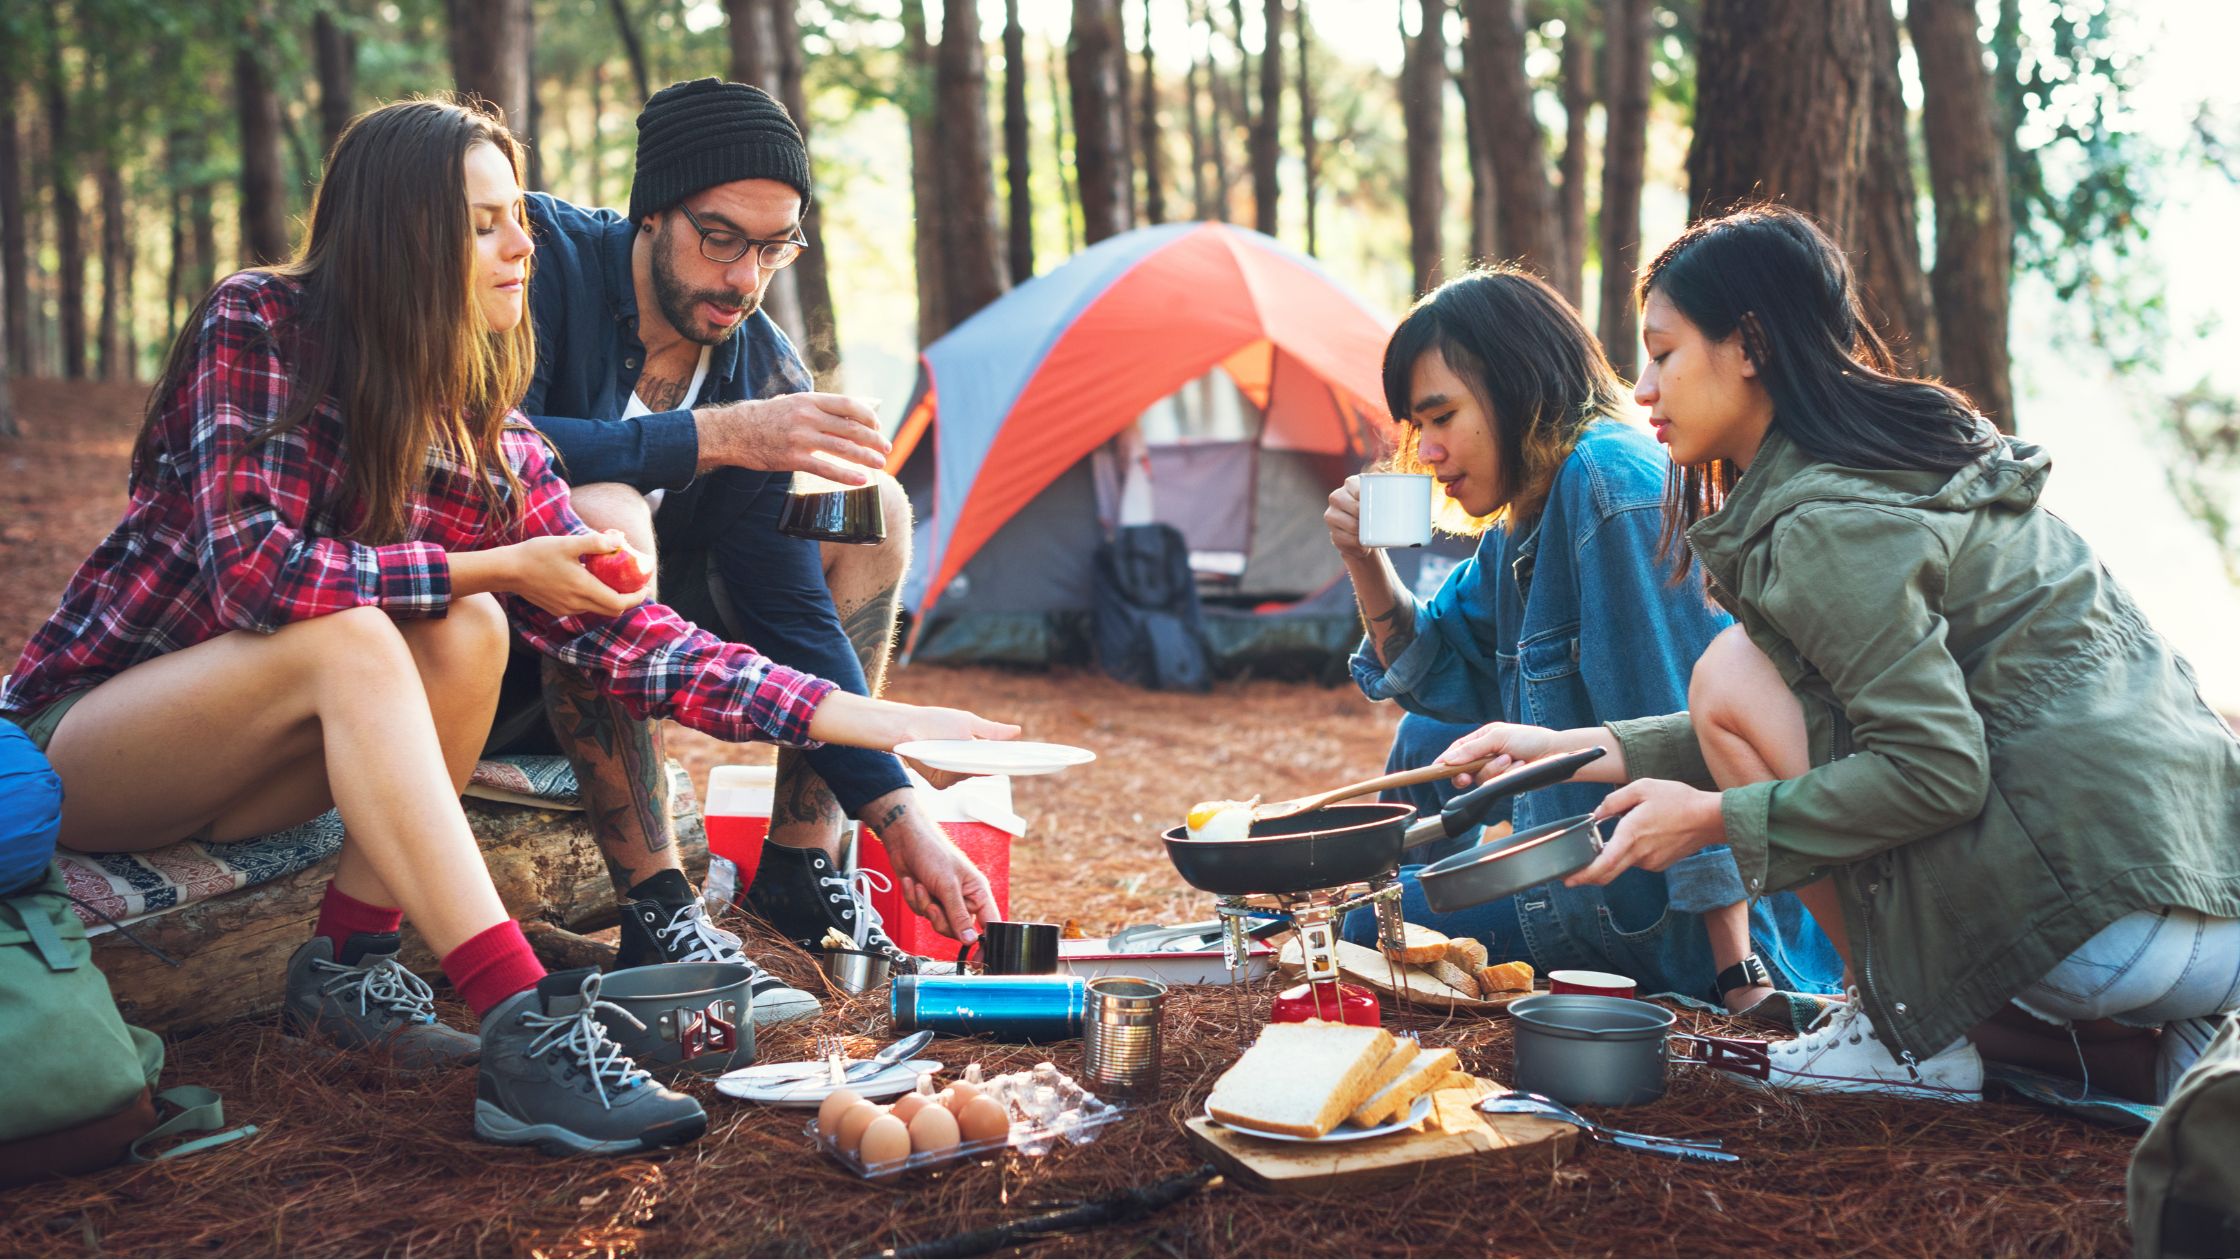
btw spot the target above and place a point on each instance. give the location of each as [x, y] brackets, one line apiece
[234, 947]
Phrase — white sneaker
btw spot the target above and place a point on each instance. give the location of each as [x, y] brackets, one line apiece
[1844, 1055]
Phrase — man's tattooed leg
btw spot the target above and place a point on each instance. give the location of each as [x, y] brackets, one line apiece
[622, 770]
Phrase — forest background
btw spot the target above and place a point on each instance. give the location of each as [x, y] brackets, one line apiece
[2038, 194]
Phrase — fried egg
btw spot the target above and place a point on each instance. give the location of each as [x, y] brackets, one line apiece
[1221, 820]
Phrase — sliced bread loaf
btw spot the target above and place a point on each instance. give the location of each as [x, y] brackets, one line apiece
[1421, 1076]
[1301, 1079]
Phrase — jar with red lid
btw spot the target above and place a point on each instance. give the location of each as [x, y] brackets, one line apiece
[1330, 1000]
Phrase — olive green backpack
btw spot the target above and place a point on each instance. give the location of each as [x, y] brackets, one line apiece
[77, 1092]
[2185, 1176]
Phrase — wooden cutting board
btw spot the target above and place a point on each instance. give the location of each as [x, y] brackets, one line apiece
[1458, 1140]
[1414, 985]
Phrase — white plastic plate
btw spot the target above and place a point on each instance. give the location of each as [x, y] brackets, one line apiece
[771, 1083]
[994, 756]
[1345, 1132]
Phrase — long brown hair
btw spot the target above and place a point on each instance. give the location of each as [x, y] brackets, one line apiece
[388, 329]
[1538, 373]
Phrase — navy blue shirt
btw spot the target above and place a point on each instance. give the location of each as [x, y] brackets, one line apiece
[584, 307]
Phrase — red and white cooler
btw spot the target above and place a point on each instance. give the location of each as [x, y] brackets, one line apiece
[977, 815]
[738, 817]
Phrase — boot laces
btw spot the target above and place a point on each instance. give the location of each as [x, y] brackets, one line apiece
[580, 1037]
[690, 936]
[385, 984]
[852, 893]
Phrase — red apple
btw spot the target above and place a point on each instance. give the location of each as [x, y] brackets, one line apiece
[626, 568]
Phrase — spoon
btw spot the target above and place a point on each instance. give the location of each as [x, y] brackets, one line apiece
[1518, 1102]
[1403, 778]
[888, 1057]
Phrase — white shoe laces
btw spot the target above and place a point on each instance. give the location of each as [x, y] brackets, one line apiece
[855, 892]
[386, 984]
[581, 1036]
[700, 940]
[1845, 1021]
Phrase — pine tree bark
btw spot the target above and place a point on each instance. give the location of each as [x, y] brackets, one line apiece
[1784, 101]
[633, 47]
[1885, 242]
[1240, 93]
[1626, 30]
[1310, 159]
[70, 294]
[490, 54]
[1093, 51]
[1018, 159]
[925, 183]
[264, 191]
[1061, 126]
[1201, 192]
[812, 271]
[1483, 192]
[1267, 136]
[1578, 99]
[15, 252]
[1423, 86]
[1968, 182]
[335, 50]
[1148, 134]
[1124, 104]
[1526, 228]
[972, 250]
[116, 269]
[8, 424]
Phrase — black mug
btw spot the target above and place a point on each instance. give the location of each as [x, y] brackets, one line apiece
[1016, 949]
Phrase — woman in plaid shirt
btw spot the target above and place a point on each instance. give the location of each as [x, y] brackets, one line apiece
[334, 516]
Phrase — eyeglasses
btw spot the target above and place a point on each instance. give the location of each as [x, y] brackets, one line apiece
[720, 245]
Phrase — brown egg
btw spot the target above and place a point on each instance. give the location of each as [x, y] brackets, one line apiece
[983, 1119]
[854, 1121]
[907, 1107]
[834, 1106]
[886, 1140]
[959, 1096]
[933, 1129]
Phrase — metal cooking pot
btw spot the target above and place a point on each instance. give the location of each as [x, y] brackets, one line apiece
[697, 1017]
[1506, 867]
[1583, 1048]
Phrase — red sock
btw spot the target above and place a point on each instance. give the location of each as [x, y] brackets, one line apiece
[342, 916]
[492, 965]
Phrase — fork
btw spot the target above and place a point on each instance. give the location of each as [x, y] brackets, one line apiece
[834, 1052]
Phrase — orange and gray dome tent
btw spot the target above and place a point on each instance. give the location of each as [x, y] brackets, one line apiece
[1011, 404]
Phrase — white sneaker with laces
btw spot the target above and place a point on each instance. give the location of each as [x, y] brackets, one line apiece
[1843, 1054]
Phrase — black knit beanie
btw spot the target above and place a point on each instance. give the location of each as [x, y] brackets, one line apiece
[707, 132]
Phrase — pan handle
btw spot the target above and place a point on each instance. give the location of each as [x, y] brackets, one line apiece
[1470, 808]
[1743, 1056]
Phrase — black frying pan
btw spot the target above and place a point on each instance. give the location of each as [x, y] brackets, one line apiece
[1345, 844]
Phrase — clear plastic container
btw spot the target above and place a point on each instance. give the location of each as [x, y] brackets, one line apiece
[1077, 1127]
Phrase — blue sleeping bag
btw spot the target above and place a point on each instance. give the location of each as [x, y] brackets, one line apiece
[30, 810]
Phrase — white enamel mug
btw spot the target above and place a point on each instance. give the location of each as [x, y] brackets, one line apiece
[1395, 509]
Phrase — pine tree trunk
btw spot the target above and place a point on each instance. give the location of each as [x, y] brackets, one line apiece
[70, 303]
[8, 426]
[1885, 243]
[925, 182]
[1626, 30]
[1217, 124]
[634, 48]
[1784, 102]
[264, 192]
[335, 49]
[490, 54]
[1423, 87]
[1148, 133]
[1240, 93]
[1124, 104]
[1483, 192]
[1526, 229]
[1201, 195]
[812, 271]
[972, 250]
[1967, 179]
[1061, 126]
[1309, 151]
[1093, 54]
[115, 274]
[1267, 136]
[1578, 99]
[15, 253]
[529, 128]
[1018, 160]
[756, 58]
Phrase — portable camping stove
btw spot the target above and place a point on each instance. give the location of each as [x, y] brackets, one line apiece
[1314, 915]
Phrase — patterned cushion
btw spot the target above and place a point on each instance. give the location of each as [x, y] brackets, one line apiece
[128, 886]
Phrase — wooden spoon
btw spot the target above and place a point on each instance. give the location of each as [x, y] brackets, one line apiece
[1405, 778]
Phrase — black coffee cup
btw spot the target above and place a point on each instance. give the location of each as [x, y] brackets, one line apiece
[1016, 949]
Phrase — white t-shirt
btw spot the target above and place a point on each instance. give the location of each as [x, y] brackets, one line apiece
[638, 408]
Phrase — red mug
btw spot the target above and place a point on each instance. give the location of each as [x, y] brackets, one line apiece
[1598, 982]
[1343, 1003]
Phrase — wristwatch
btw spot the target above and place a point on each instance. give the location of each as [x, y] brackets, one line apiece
[1748, 973]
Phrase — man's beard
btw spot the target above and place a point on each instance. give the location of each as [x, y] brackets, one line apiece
[681, 306]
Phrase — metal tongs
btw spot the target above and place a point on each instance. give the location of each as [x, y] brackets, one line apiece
[1520, 1102]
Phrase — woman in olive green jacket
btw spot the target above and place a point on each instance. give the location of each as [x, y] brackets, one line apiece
[1939, 719]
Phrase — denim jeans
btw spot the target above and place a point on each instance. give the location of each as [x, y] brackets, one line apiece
[2169, 967]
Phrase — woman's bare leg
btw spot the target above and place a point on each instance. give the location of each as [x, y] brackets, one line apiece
[248, 732]
[1752, 730]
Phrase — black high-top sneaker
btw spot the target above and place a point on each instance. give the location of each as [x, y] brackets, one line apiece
[369, 1001]
[663, 922]
[801, 894]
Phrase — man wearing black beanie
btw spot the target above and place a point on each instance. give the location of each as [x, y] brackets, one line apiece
[679, 410]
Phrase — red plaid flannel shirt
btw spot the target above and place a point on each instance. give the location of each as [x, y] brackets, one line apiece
[221, 536]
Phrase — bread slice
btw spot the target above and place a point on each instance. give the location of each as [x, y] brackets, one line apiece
[1422, 1075]
[1404, 1052]
[1507, 977]
[1454, 978]
[1418, 946]
[1466, 953]
[1301, 1079]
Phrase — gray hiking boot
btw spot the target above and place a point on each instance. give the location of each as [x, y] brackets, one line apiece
[655, 931]
[552, 1078]
[368, 1001]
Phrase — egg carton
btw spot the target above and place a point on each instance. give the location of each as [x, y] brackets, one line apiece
[1030, 1138]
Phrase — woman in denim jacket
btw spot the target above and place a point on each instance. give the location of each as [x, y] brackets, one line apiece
[1563, 618]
